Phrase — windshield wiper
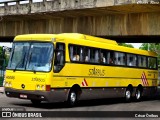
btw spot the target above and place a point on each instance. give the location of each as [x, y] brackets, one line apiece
[21, 61]
[12, 54]
[29, 60]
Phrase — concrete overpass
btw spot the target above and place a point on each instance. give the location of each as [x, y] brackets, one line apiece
[123, 20]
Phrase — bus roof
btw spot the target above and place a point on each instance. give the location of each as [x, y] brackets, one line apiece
[86, 37]
[34, 37]
[111, 44]
[47, 37]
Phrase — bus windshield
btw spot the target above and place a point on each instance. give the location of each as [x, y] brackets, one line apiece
[31, 56]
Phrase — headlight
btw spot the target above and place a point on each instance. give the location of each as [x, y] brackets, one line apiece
[43, 87]
[38, 87]
[9, 84]
[6, 84]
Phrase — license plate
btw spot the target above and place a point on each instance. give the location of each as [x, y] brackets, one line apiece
[23, 96]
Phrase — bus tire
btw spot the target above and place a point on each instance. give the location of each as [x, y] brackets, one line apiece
[72, 98]
[138, 94]
[128, 95]
[36, 102]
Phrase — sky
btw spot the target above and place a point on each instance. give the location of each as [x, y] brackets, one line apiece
[6, 44]
[136, 45]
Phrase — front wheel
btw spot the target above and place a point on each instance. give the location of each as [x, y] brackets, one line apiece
[72, 98]
[35, 102]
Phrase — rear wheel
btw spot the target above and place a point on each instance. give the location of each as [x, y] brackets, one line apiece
[138, 94]
[128, 95]
[72, 98]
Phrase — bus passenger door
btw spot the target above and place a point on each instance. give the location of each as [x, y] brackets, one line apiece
[59, 60]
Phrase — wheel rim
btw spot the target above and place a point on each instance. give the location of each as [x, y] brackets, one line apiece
[138, 95]
[128, 94]
[73, 97]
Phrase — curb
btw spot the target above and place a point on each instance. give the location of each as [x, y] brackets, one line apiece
[1, 89]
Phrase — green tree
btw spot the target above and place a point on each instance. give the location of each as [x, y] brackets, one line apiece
[154, 47]
[126, 45]
[150, 46]
[3, 58]
[1, 51]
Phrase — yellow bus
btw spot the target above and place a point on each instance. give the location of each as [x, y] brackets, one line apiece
[72, 66]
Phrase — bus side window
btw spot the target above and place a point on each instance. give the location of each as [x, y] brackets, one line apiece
[94, 55]
[105, 57]
[59, 60]
[131, 60]
[76, 53]
[102, 58]
[120, 58]
[111, 58]
[142, 61]
[87, 54]
[152, 62]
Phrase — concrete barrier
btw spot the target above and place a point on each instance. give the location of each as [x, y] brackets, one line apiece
[1, 89]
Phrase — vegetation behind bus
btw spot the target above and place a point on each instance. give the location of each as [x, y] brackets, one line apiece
[126, 45]
[152, 47]
[3, 64]
[3, 56]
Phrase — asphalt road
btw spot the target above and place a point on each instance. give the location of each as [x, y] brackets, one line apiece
[116, 104]
[113, 104]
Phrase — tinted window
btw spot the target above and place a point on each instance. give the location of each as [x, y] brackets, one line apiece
[131, 60]
[152, 62]
[76, 53]
[120, 58]
[59, 60]
[106, 57]
[142, 61]
[94, 55]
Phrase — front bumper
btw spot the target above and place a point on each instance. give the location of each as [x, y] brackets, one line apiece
[50, 96]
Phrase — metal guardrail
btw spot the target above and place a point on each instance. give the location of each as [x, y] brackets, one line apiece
[8, 1]
[15, 2]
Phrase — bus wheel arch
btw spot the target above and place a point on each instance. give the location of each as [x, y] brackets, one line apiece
[73, 95]
[128, 93]
[138, 92]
